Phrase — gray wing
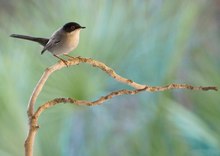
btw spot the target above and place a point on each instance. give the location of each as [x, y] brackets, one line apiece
[54, 40]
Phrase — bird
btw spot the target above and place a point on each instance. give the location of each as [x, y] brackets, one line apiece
[62, 41]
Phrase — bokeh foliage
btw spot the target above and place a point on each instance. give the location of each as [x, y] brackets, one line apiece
[151, 42]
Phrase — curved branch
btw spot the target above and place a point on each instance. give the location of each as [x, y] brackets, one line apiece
[33, 116]
[84, 102]
[110, 72]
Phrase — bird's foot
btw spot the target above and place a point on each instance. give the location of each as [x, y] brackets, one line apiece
[64, 61]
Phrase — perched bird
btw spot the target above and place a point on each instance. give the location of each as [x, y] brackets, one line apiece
[62, 41]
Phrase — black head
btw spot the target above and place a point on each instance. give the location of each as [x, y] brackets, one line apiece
[71, 26]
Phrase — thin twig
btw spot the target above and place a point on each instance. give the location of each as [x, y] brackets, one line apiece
[84, 102]
[33, 116]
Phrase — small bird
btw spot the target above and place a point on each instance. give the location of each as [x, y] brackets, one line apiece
[62, 41]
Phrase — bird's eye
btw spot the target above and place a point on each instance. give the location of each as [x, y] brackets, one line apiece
[72, 27]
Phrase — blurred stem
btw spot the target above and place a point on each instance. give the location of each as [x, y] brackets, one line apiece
[33, 117]
[29, 142]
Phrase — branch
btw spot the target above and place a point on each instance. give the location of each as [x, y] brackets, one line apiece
[33, 116]
[83, 102]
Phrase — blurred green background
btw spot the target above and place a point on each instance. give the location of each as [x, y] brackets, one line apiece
[152, 42]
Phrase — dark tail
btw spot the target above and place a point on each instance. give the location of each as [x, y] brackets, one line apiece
[42, 41]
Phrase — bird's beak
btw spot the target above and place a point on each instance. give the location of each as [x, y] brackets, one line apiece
[82, 27]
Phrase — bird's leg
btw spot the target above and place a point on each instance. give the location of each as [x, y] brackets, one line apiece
[72, 56]
[64, 61]
[69, 56]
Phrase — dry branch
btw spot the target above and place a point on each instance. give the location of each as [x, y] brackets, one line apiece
[33, 116]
